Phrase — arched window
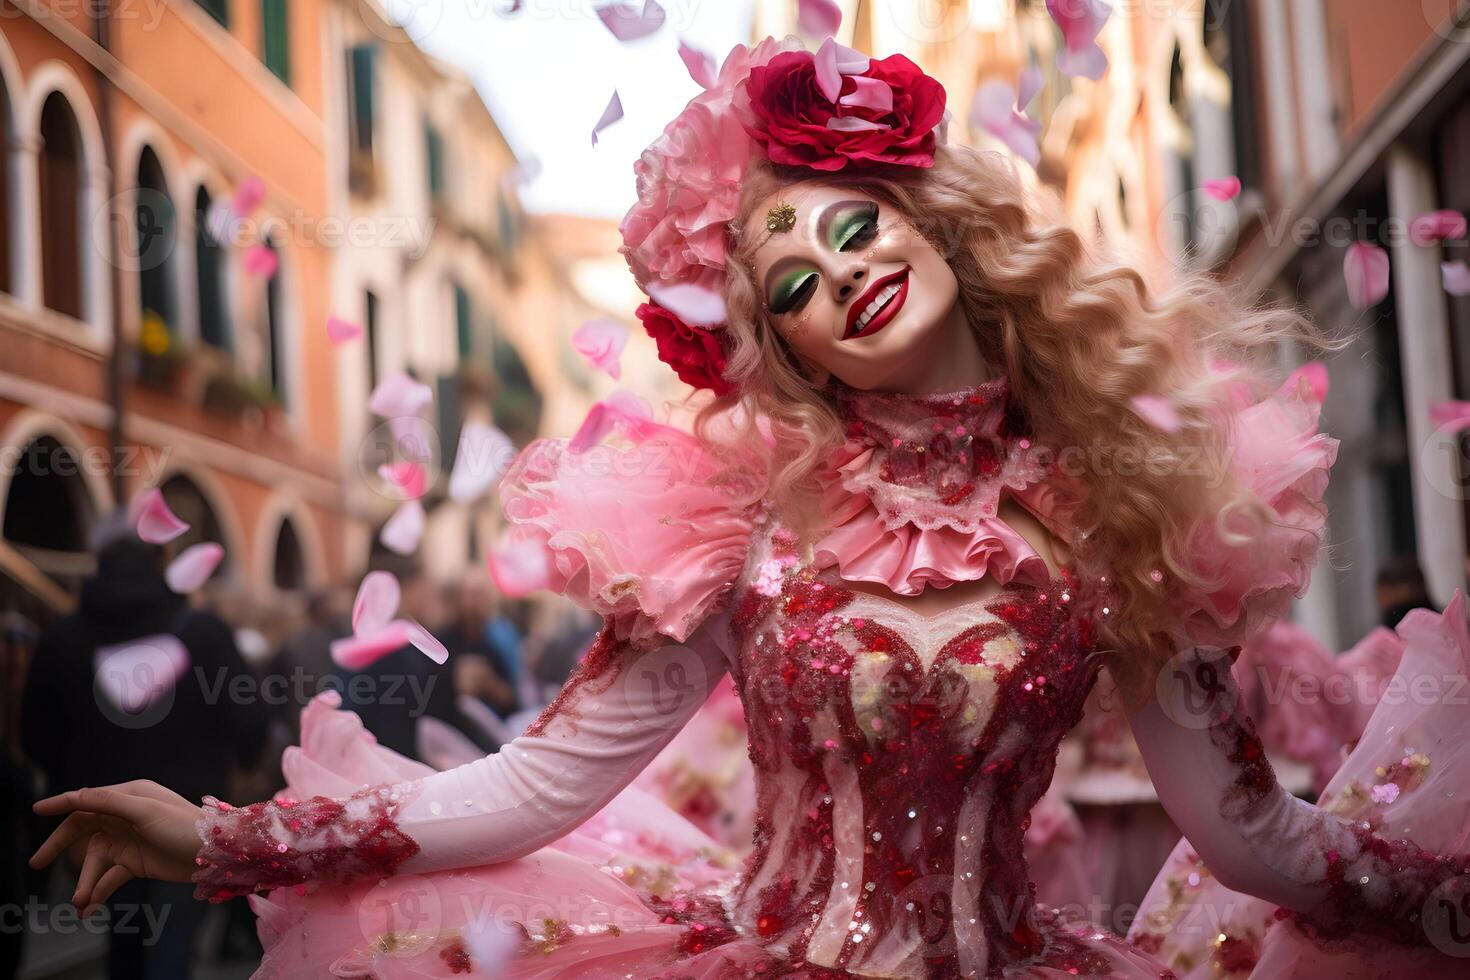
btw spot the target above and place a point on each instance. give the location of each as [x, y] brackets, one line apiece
[61, 212]
[209, 265]
[188, 502]
[157, 229]
[48, 512]
[288, 569]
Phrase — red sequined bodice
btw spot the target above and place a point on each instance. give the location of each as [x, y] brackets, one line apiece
[897, 758]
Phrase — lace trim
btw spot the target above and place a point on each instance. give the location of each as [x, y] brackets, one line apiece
[257, 848]
[935, 461]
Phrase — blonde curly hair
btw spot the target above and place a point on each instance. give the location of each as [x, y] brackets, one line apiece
[1079, 334]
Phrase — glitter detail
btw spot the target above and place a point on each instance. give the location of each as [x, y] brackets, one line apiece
[781, 218]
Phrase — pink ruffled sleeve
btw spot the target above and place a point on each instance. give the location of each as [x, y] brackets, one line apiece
[1253, 568]
[649, 528]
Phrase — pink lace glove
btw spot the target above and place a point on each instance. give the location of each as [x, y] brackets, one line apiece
[619, 709]
[1334, 877]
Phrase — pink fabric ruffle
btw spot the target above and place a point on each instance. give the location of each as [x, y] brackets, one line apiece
[649, 528]
[1253, 568]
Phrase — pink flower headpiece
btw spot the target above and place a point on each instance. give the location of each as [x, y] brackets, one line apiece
[830, 111]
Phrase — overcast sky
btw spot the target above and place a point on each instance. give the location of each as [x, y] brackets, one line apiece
[548, 71]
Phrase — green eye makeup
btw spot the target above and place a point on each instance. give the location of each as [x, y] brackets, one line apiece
[791, 290]
[853, 226]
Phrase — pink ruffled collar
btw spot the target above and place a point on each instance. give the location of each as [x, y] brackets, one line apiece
[912, 495]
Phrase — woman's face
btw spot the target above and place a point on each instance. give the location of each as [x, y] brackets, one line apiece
[856, 290]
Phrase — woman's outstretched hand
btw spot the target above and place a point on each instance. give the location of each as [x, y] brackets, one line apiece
[133, 830]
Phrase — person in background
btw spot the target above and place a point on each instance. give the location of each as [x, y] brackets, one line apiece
[305, 657]
[81, 729]
[484, 646]
[1400, 588]
[18, 826]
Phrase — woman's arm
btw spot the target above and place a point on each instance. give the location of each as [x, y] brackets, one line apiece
[618, 710]
[1335, 877]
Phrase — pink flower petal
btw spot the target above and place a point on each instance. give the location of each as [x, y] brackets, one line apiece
[376, 603]
[358, 652]
[483, 454]
[610, 115]
[408, 478]
[414, 437]
[854, 124]
[701, 64]
[427, 643]
[1081, 21]
[135, 674]
[1365, 269]
[602, 341]
[340, 331]
[619, 408]
[248, 196]
[1456, 278]
[398, 395]
[631, 21]
[834, 60]
[193, 567]
[520, 566]
[1450, 413]
[818, 18]
[261, 261]
[1156, 411]
[1223, 188]
[695, 303]
[994, 111]
[1436, 226]
[156, 524]
[404, 529]
[1315, 374]
[871, 93]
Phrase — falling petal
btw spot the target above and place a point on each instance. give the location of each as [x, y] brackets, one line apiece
[483, 454]
[696, 304]
[135, 674]
[414, 437]
[156, 524]
[620, 408]
[408, 478]
[193, 567]
[871, 93]
[1365, 269]
[629, 404]
[1156, 411]
[398, 395]
[404, 529]
[818, 18]
[1451, 413]
[631, 21]
[1223, 188]
[261, 261]
[834, 60]
[1315, 374]
[1436, 226]
[520, 567]
[610, 115]
[427, 643]
[701, 64]
[340, 331]
[376, 603]
[1081, 21]
[357, 652]
[602, 342]
[1456, 278]
[994, 111]
[248, 196]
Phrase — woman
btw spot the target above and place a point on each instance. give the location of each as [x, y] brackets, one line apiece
[955, 464]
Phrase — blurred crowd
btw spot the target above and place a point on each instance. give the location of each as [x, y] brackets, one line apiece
[205, 696]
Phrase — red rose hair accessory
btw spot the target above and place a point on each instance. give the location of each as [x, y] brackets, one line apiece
[807, 111]
[696, 355]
